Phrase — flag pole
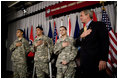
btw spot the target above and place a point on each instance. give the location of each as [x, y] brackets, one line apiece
[33, 71]
[50, 67]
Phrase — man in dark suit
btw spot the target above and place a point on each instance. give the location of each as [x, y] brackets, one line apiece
[94, 42]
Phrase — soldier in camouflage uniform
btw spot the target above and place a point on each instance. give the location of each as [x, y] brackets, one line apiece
[66, 54]
[19, 49]
[40, 47]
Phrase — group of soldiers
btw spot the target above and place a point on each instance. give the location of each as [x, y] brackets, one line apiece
[43, 48]
[92, 56]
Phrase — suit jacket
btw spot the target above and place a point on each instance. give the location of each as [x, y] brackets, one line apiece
[94, 47]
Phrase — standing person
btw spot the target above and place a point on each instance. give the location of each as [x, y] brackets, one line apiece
[19, 49]
[94, 42]
[41, 45]
[66, 52]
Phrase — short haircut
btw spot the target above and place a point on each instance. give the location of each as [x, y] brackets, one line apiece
[63, 27]
[88, 12]
[39, 28]
[21, 30]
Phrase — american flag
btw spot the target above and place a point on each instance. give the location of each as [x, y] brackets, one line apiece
[112, 55]
[55, 34]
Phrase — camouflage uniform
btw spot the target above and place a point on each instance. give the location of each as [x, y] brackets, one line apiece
[68, 54]
[18, 57]
[41, 56]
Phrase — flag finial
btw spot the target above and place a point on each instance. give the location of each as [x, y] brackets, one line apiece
[102, 2]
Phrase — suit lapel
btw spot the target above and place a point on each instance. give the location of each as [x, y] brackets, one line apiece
[89, 27]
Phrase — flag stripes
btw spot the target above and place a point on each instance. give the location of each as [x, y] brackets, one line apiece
[112, 55]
